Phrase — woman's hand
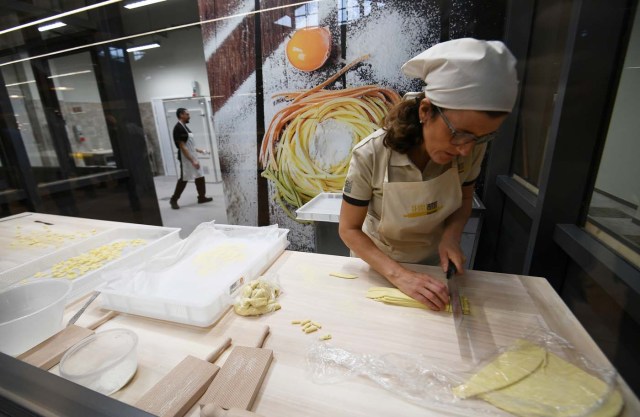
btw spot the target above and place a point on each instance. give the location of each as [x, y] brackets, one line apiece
[423, 288]
[450, 251]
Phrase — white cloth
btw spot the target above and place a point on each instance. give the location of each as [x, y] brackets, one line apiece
[189, 172]
[467, 74]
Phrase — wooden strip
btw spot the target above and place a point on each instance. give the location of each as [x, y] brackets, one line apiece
[48, 353]
[178, 391]
[211, 357]
[212, 410]
[101, 320]
[240, 378]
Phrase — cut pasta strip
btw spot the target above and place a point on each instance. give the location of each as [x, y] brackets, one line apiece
[396, 297]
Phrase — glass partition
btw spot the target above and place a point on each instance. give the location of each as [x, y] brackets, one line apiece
[614, 210]
[30, 116]
[81, 108]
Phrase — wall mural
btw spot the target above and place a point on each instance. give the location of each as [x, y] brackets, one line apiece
[296, 86]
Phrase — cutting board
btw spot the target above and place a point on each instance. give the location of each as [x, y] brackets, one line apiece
[240, 378]
[178, 391]
[47, 354]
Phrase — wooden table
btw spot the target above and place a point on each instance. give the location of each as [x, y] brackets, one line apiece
[504, 307]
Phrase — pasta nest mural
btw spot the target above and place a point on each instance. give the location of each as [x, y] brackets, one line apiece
[307, 148]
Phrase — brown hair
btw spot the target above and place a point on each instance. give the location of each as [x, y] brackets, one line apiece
[403, 127]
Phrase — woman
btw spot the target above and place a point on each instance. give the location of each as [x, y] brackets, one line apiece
[409, 188]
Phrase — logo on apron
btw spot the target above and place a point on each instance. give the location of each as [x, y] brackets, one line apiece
[419, 210]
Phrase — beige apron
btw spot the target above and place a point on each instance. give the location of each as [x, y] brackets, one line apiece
[189, 172]
[413, 216]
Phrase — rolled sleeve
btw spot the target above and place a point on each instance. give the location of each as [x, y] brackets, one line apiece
[358, 184]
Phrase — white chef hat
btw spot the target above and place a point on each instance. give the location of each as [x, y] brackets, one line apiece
[467, 74]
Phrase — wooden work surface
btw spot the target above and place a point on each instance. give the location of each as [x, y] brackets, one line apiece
[504, 307]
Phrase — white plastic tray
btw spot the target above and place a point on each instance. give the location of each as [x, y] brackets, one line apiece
[325, 207]
[157, 239]
[27, 236]
[211, 305]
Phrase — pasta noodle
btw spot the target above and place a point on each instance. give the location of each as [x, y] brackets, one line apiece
[285, 151]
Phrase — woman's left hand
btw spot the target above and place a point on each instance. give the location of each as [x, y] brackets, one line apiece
[450, 251]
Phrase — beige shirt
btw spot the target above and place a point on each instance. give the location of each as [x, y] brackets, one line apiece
[369, 163]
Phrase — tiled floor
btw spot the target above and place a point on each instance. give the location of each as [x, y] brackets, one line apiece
[191, 214]
[615, 218]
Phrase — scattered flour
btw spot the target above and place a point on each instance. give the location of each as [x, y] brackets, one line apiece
[331, 144]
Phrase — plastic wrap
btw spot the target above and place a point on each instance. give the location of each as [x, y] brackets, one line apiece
[206, 261]
[571, 385]
[258, 297]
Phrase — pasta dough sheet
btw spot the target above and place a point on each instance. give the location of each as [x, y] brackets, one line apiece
[530, 381]
[396, 297]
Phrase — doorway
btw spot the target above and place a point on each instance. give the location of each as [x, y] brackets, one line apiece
[164, 111]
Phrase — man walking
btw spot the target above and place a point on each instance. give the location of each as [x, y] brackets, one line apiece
[189, 166]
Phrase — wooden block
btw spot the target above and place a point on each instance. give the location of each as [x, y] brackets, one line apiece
[178, 391]
[48, 353]
[239, 379]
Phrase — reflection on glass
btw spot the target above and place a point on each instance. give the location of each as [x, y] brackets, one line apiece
[29, 113]
[539, 87]
[615, 203]
[81, 107]
[351, 10]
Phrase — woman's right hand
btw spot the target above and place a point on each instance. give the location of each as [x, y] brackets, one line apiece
[423, 288]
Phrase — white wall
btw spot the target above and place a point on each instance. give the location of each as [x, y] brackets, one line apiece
[169, 70]
[619, 172]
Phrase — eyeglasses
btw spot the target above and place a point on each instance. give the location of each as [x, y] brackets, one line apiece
[463, 138]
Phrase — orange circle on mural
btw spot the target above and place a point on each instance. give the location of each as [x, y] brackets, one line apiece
[309, 48]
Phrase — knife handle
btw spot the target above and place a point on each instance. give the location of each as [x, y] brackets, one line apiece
[451, 271]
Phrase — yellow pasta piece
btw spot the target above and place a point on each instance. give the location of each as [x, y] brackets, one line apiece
[311, 329]
[316, 324]
[302, 323]
[295, 321]
[396, 297]
[343, 275]
[326, 337]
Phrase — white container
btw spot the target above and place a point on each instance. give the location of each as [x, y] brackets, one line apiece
[104, 362]
[157, 239]
[31, 313]
[214, 303]
[325, 207]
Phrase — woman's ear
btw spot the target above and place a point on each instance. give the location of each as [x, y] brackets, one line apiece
[425, 110]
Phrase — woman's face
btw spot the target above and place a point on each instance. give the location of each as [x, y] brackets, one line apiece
[437, 135]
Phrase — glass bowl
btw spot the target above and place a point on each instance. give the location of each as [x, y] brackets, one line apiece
[104, 362]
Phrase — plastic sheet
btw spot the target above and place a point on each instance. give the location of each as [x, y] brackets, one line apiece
[258, 297]
[458, 387]
[208, 260]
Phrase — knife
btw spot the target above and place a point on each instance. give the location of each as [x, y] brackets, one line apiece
[454, 294]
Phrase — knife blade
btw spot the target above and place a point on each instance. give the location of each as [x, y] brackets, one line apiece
[454, 294]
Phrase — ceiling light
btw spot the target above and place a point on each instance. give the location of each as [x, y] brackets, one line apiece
[70, 73]
[50, 26]
[140, 35]
[143, 47]
[58, 16]
[15, 96]
[24, 82]
[63, 88]
[137, 4]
